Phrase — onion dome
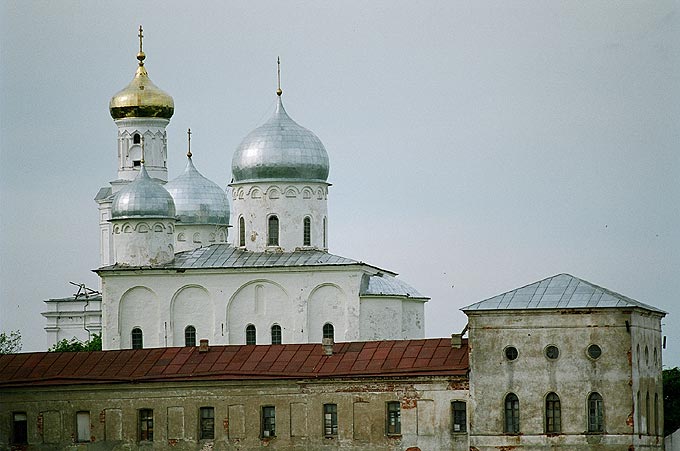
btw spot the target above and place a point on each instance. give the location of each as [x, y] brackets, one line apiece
[280, 149]
[197, 199]
[141, 98]
[143, 198]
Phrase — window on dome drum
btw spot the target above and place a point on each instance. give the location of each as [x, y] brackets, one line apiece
[551, 352]
[595, 413]
[251, 337]
[19, 428]
[553, 414]
[276, 334]
[137, 338]
[638, 408]
[268, 421]
[511, 414]
[656, 414]
[307, 232]
[207, 423]
[393, 426]
[190, 336]
[83, 426]
[136, 139]
[330, 420]
[136, 163]
[511, 353]
[328, 331]
[273, 230]
[146, 425]
[648, 416]
[241, 231]
[325, 233]
[459, 416]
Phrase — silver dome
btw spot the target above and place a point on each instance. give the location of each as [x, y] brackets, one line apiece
[143, 198]
[280, 149]
[197, 199]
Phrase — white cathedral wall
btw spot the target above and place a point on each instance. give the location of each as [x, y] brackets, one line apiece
[291, 203]
[193, 236]
[155, 147]
[143, 242]
[300, 300]
[391, 318]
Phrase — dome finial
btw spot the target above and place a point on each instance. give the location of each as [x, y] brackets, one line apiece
[278, 76]
[141, 56]
[189, 136]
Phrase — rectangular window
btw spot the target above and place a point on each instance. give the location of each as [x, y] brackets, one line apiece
[459, 416]
[83, 426]
[393, 418]
[330, 420]
[19, 428]
[146, 425]
[207, 423]
[268, 421]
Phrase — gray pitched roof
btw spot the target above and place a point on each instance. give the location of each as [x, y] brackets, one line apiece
[387, 285]
[227, 256]
[562, 291]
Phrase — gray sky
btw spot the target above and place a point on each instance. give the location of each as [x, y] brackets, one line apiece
[475, 147]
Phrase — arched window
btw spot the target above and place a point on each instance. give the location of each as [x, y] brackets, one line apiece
[137, 338]
[273, 229]
[648, 416]
[241, 231]
[511, 414]
[307, 232]
[276, 334]
[190, 336]
[553, 414]
[595, 413]
[329, 331]
[251, 337]
[136, 139]
[325, 233]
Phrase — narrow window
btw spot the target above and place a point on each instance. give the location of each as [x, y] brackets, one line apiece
[83, 426]
[656, 414]
[325, 233]
[330, 420]
[19, 428]
[268, 421]
[273, 231]
[329, 331]
[276, 334]
[241, 231]
[459, 416]
[190, 336]
[393, 418]
[553, 414]
[207, 423]
[136, 139]
[146, 425]
[648, 416]
[639, 412]
[307, 232]
[595, 413]
[251, 337]
[511, 414]
[136, 163]
[137, 338]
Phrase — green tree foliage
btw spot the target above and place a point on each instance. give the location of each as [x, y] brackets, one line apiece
[671, 400]
[74, 345]
[10, 343]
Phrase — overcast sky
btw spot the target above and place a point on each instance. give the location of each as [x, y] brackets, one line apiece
[475, 147]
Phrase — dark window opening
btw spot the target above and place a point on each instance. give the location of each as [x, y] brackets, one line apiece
[511, 414]
[268, 421]
[190, 336]
[329, 331]
[136, 139]
[595, 413]
[393, 418]
[511, 353]
[276, 334]
[594, 351]
[19, 428]
[136, 163]
[273, 231]
[251, 337]
[552, 352]
[137, 338]
[241, 231]
[207, 423]
[553, 414]
[330, 420]
[146, 425]
[307, 232]
[459, 416]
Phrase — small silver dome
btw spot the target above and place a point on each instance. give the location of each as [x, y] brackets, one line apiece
[143, 198]
[197, 199]
[280, 149]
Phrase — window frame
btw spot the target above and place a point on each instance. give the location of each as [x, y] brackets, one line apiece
[328, 331]
[268, 422]
[392, 418]
[145, 425]
[330, 420]
[276, 334]
[251, 329]
[241, 231]
[307, 231]
[19, 436]
[273, 230]
[206, 424]
[188, 332]
[137, 342]
[595, 406]
[81, 414]
[458, 416]
[511, 415]
[553, 414]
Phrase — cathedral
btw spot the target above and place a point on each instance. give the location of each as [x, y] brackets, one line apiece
[171, 273]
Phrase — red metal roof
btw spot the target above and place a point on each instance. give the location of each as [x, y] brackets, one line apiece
[395, 358]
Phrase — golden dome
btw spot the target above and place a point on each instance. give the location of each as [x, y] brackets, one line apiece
[141, 98]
